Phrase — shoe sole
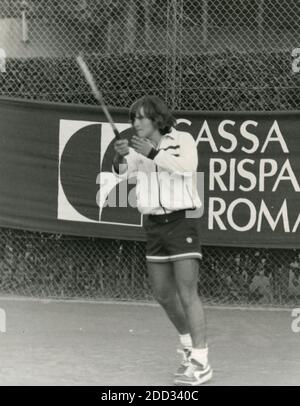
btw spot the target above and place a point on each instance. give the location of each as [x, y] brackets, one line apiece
[178, 374]
[199, 381]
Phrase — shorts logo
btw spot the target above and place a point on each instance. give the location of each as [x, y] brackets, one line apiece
[189, 240]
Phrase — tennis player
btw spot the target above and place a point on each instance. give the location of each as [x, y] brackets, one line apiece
[165, 162]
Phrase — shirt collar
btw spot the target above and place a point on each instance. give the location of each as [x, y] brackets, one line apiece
[170, 135]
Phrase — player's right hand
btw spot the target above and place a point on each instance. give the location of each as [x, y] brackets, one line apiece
[121, 147]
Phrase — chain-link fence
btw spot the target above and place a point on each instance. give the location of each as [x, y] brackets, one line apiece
[196, 55]
[34, 264]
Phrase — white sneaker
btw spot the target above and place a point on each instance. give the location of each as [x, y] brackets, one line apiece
[195, 374]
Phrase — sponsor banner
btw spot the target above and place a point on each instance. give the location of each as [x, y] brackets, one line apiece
[56, 174]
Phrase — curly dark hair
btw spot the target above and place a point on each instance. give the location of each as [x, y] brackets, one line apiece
[156, 110]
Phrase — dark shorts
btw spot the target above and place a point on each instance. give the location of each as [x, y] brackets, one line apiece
[172, 237]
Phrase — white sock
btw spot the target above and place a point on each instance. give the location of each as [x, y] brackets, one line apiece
[186, 340]
[200, 355]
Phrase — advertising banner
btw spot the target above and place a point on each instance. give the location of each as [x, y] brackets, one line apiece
[54, 157]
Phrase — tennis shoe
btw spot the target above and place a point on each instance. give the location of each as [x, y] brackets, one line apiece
[186, 353]
[195, 374]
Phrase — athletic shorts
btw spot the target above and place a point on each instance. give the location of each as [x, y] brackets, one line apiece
[172, 237]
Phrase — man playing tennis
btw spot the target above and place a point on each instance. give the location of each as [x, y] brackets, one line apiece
[165, 162]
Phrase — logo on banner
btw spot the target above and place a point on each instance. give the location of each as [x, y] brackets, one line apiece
[85, 178]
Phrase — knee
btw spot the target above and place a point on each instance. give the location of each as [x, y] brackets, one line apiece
[165, 299]
[188, 297]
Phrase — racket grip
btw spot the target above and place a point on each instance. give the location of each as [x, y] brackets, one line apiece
[117, 134]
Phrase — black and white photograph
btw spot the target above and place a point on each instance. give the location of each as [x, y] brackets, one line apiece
[149, 195]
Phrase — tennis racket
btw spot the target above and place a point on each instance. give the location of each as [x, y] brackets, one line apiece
[97, 94]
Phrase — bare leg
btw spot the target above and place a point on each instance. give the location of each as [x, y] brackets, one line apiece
[186, 276]
[164, 289]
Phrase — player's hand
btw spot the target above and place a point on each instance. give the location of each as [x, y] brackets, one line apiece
[141, 145]
[121, 147]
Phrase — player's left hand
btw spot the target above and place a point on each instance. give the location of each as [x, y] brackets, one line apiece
[141, 145]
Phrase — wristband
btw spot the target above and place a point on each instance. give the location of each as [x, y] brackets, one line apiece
[152, 154]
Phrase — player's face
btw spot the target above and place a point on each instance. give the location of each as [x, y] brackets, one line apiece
[143, 126]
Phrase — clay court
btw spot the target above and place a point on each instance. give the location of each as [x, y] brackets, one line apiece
[126, 344]
[74, 290]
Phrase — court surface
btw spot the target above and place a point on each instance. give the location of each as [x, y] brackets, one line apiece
[106, 344]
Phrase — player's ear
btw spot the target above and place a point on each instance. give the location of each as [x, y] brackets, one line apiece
[159, 121]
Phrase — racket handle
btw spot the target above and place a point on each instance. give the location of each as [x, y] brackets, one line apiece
[116, 132]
